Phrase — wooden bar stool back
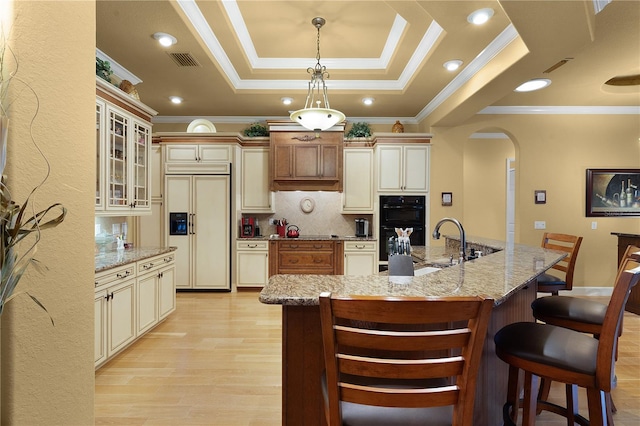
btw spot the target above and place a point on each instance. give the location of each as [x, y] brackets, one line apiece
[560, 354]
[550, 283]
[577, 314]
[402, 360]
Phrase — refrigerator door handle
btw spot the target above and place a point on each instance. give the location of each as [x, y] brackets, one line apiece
[193, 225]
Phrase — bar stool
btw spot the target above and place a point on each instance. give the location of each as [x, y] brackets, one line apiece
[557, 353]
[548, 283]
[577, 314]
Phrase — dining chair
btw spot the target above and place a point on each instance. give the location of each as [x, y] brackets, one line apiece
[579, 314]
[560, 354]
[401, 360]
[401, 265]
[550, 283]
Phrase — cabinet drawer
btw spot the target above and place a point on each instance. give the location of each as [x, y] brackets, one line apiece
[360, 246]
[305, 245]
[114, 275]
[154, 263]
[306, 260]
[252, 245]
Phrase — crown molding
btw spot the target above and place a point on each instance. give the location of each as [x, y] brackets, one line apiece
[562, 110]
[118, 70]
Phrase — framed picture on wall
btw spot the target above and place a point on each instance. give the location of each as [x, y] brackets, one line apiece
[613, 192]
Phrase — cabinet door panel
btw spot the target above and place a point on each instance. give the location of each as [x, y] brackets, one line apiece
[306, 161]
[358, 181]
[389, 168]
[359, 263]
[121, 314]
[147, 296]
[283, 162]
[179, 200]
[181, 153]
[255, 193]
[329, 162]
[416, 165]
[211, 232]
[167, 291]
[100, 327]
[253, 268]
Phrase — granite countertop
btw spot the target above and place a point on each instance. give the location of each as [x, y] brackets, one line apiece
[114, 258]
[497, 276]
[310, 238]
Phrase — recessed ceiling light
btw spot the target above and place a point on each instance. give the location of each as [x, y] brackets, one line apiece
[287, 101]
[165, 39]
[175, 99]
[480, 16]
[535, 84]
[452, 65]
[368, 101]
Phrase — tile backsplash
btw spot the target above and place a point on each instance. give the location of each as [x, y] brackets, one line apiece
[325, 219]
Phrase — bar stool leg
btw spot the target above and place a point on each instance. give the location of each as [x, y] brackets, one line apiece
[513, 394]
[572, 403]
[597, 408]
[530, 400]
[543, 393]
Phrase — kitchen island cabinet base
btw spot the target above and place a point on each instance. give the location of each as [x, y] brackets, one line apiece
[303, 363]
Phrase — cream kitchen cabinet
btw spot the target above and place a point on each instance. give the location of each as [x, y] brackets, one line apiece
[129, 301]
[123, 138]
[403, 168]
[357, 196]
[114, 311]
[197, 158]
[255, 195]
[360, 258]
[252, 263]
[155, 291]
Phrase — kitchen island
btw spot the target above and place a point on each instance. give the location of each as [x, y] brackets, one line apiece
[506, 275]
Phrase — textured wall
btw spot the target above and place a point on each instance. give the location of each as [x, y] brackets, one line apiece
[47, 370]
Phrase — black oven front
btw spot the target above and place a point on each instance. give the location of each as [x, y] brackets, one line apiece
[399, 211]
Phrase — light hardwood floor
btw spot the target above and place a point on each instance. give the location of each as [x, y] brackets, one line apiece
[216, 361]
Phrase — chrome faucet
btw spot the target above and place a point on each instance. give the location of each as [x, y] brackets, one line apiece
[463, 236]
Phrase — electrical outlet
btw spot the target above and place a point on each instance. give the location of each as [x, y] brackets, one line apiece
[272, 221]
[594, 225]
[539, 224]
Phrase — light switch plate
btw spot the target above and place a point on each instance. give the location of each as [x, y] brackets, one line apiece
[540, 224]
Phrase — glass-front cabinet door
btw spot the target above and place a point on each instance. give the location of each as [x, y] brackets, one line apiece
[100, 108]
[123, 145]
[141, 169]
[118, 128]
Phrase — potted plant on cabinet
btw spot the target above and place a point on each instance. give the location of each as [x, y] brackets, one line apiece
[359, 130]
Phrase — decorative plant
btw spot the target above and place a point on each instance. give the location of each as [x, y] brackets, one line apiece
[20, 224]
[103, 69]
[256, 129]
[359, 130]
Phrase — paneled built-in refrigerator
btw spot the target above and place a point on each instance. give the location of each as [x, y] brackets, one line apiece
[198, 220]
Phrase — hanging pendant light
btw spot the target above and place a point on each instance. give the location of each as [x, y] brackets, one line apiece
[317, 115]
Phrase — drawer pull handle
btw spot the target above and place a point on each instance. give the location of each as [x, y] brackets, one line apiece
[126, 274]
[317, 260]
[317, 246]
[293, 260]
[252, 245]
[293, 246]
[360, 247]
[168, 259]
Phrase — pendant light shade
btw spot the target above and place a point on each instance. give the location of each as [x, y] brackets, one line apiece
[317, 115]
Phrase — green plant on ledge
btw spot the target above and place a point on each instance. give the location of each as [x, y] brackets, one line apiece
[256, 129]
[20, 225]
[359, 130]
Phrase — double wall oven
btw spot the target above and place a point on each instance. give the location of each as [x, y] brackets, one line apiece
[401, 211]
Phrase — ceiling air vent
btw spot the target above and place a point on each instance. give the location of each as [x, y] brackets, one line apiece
[556, 66]
[184, 59]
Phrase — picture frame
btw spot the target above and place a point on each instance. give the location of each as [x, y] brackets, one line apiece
[605, 189]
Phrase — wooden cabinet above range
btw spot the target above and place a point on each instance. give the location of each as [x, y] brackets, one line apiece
[306, 161]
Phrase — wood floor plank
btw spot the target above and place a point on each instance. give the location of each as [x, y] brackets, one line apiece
[217, 361]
